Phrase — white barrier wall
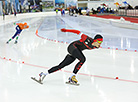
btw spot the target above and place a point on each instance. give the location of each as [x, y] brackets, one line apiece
[119, 23]
[12, 18]
[116, 22]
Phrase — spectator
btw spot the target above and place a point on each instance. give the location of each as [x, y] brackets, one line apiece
[129, 7]
[136, 7]
[80, 11]
[87, 11]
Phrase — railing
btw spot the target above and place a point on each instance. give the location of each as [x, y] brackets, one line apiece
[131, 13]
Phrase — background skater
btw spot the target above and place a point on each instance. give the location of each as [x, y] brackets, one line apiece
[19, 28]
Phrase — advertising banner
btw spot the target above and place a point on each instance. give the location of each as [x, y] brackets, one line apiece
[59, 4]
[71, 3]
[35, 6]
[47, 5]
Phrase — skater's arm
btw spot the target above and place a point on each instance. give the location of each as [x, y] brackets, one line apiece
[71, 30]
[26, 27]
[83, 36]
[17, 28]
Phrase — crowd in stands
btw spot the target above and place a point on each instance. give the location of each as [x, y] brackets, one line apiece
[103, 10]
[128, 7]
[74, 10]
[99, 10]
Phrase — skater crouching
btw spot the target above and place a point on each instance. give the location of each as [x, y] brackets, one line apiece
[75, 52]
[19, 28]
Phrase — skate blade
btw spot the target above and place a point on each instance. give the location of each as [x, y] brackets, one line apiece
[72, 83]
[36, 80]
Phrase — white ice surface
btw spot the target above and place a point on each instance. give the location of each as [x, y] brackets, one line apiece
[97, 76]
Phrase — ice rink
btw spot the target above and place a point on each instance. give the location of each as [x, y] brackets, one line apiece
[43, 46]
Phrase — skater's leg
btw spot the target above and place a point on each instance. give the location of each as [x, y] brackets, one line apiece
[18, 31]
[9, 40]
[68, 60]
[79, 55]
[16, 39]
[12, 37]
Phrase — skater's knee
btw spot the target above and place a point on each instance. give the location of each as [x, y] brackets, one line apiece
[83, 59]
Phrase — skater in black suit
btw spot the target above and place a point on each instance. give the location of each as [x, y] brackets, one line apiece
[75, 52]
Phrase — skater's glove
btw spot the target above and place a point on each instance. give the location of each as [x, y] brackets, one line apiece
[63, 30]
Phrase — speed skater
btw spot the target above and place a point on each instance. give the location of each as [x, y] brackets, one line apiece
[75, 52]
[19, 28]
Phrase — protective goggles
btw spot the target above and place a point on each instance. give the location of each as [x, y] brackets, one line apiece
[99, 40]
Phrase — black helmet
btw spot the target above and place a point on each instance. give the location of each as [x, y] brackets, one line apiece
[98, 36]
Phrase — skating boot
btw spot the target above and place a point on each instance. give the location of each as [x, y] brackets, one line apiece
[15, 42]
[41, 76]
[7, 42]
[72, 80]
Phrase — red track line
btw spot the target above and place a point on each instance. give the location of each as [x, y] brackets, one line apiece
[98, 76]
[128, 80]
[36, 66]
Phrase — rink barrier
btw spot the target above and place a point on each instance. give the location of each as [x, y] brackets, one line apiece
[115, 22]
[96, 76]
[12, 18]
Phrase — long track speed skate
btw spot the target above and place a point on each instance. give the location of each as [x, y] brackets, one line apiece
[72, 81]
[41, 78]
[39, 81]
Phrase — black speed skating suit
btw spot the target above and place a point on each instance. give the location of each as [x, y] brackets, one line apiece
[75, 52]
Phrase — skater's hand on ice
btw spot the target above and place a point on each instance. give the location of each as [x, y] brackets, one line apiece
[63, 30]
